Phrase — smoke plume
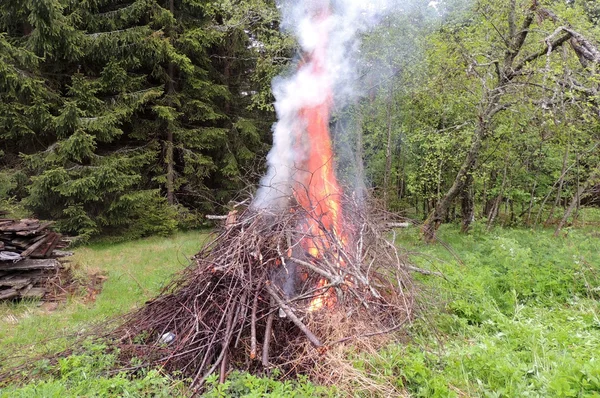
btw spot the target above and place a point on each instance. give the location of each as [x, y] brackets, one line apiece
[339, 24]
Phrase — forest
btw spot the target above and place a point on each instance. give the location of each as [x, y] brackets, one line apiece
[443, 242]
[138, 118]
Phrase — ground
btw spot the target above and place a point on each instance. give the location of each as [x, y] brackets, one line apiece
[515, 315]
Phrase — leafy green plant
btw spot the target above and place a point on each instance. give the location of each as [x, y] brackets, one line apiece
[90, 374]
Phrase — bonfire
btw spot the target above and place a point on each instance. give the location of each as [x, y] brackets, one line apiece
[302, 273]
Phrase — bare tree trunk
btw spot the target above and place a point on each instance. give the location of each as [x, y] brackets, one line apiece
[496, 207]
[416, 205]
[489, 202]
[541, 209]
[435, 219]
[170, 168]
[576, 199]
[576, 216]
[402, 175]
[484, 198]
[360, 187]
[467, 205]
[570, 209]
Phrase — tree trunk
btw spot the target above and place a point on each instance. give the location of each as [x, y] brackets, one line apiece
[360, 160]
[531, 201]
[506, 71]
[574, 202]
[576, 216]
[467, 205]
[489, 202]
[169, 158]
[496, 207]
[440, 213]
[570, 209]
[170, 169]
[484, 198]
[560, 186]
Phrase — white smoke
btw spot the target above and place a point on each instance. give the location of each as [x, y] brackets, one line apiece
[342, 26]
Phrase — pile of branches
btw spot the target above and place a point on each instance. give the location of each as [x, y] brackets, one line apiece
[246, 301]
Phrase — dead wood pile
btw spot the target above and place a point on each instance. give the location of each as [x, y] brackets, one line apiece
[249, 300]
[28, 257]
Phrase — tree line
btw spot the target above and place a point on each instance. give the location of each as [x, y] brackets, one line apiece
[135, 117]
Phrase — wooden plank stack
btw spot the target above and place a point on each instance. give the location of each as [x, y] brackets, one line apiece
[28, 257]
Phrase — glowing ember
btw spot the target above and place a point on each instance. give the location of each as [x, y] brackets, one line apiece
[326, 299]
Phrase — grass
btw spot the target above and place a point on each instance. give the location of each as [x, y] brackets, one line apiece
[517, 315]
[135, 272]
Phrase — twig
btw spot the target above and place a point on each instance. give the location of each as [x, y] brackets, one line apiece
[311, 337]
[332, 278]
[223, 371]
[423, 271]
[253, 327]
[267, 340]
[225, 347]
[386, 331]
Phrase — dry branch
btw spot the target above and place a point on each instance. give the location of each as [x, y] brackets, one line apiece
[288, 311]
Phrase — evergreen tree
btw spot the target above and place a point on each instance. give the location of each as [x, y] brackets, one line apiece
[127, 109]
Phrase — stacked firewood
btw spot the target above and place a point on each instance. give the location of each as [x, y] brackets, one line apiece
[28, 257]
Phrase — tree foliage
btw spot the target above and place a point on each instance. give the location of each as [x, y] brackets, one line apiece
[136, 116]
[496, 104]
[103, 99]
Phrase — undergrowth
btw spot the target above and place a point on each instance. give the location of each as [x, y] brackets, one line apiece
[92, 374]
[517, 316]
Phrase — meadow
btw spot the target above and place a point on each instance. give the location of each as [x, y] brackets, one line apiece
[516, 314]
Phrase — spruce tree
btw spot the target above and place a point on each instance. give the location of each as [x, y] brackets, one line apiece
[128, 110]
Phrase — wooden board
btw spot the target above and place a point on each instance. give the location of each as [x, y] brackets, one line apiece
[20, 226]
[30, 238]
[45, 250]
[34, 292]
[8, 293]
[37, 244]
[30, 264]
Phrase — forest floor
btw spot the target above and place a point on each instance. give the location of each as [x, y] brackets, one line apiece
[517, 314]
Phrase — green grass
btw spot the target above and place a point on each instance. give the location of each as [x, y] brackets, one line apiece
[517, 315]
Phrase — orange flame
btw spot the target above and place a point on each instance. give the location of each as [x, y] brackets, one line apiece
[318, 191]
